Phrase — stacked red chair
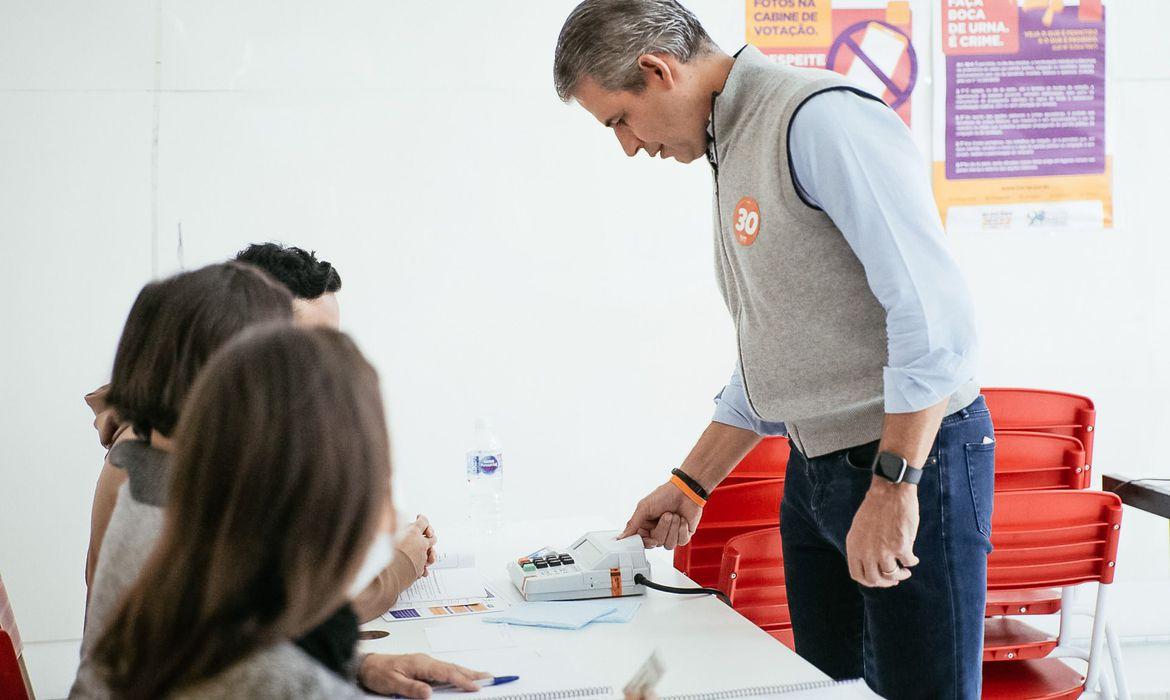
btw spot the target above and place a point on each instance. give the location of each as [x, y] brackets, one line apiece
[1044, 539]
[766, 462]
[1031, 461]
[1041, 411]
[751, 573]
[730, 511]
[1024, 461]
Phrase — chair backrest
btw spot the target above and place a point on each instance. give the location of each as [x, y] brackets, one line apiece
[731, 510]
[767, 460]
[1043, 411]
[1053, 538]
[751, 573]
[1030, 461]
[11, 679]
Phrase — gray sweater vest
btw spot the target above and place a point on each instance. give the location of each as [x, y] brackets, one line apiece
[811, 334]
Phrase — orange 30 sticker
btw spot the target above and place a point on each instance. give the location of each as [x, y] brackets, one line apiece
[746, 221]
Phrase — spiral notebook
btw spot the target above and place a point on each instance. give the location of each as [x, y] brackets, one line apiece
[855, 689]
[551, 676]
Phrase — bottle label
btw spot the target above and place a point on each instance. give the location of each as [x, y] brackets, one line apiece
[483, 464]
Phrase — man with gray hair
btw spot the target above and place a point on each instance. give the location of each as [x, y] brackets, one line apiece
[856, 339]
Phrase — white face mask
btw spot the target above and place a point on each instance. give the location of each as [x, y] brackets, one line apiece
[378, 557]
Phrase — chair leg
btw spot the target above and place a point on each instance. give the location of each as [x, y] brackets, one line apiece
[1097, 638]
[1116, 662]
[1107, 690]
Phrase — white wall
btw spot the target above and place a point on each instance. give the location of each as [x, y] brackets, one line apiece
[500, 255]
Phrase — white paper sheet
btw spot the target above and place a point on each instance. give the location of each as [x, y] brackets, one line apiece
[472, 636]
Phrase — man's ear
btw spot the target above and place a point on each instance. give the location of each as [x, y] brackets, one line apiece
[656, 71]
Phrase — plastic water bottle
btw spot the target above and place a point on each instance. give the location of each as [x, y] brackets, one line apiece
[485, 480]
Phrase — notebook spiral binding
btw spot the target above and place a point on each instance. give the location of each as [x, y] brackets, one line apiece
[562, 694]
[763, 690]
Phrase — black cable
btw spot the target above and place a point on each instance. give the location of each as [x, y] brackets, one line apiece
[641, 580]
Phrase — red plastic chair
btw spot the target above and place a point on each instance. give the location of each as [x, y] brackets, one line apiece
[12, 683]
[752, 575]
[767, 460]
[1041, 411]
[1030, 461]
[13, 677]
[731, 510]
[1044, 539]
[1033, 459]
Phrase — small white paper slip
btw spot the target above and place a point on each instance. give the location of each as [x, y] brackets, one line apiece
[987, 440]
[450, 637]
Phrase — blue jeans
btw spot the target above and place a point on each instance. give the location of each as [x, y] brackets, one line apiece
[924, 637]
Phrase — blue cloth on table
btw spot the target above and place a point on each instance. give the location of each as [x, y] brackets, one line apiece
[626, 608]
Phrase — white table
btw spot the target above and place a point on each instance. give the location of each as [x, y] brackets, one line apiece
[704, 644]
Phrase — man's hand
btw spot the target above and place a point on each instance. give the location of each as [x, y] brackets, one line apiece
[408, 675]
[880, 544]
[666, 517]
[417, 544]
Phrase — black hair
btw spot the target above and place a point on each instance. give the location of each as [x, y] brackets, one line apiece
[296, 268]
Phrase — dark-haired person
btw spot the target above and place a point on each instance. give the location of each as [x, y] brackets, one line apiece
[214, 616]
[314, 285]
[313, 282]
[173, 328]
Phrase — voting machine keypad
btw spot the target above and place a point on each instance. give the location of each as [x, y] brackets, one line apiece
[547, 561]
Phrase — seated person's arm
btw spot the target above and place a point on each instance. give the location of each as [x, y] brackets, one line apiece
[110, 430]
[105, 496]
[414, 551]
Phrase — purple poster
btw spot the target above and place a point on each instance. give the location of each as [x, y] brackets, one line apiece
[1038, 111]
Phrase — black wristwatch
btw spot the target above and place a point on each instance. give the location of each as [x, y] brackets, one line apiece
[895, 469]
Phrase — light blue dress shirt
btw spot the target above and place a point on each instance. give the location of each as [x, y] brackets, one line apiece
[854, 158]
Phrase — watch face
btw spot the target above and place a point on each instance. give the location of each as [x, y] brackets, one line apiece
[891, 466]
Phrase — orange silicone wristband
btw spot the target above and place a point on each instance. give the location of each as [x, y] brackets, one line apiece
[687, 490]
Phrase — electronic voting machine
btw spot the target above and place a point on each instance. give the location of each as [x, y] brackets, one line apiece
[595, 566]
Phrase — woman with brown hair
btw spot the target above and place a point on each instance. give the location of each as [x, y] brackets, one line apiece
[279, 511]
[171, 332]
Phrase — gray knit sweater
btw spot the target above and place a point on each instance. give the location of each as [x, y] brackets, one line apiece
[278, 671]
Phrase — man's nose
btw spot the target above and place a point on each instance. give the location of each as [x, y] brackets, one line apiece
[630, 143]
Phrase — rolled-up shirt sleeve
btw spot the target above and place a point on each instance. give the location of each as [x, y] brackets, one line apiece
[732, 408]
[853, 158]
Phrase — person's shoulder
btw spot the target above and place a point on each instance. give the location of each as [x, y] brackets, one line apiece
[277, 671]
[826, 114]
[843, 101]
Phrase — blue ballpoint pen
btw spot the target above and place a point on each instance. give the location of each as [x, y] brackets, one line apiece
[481, 682]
